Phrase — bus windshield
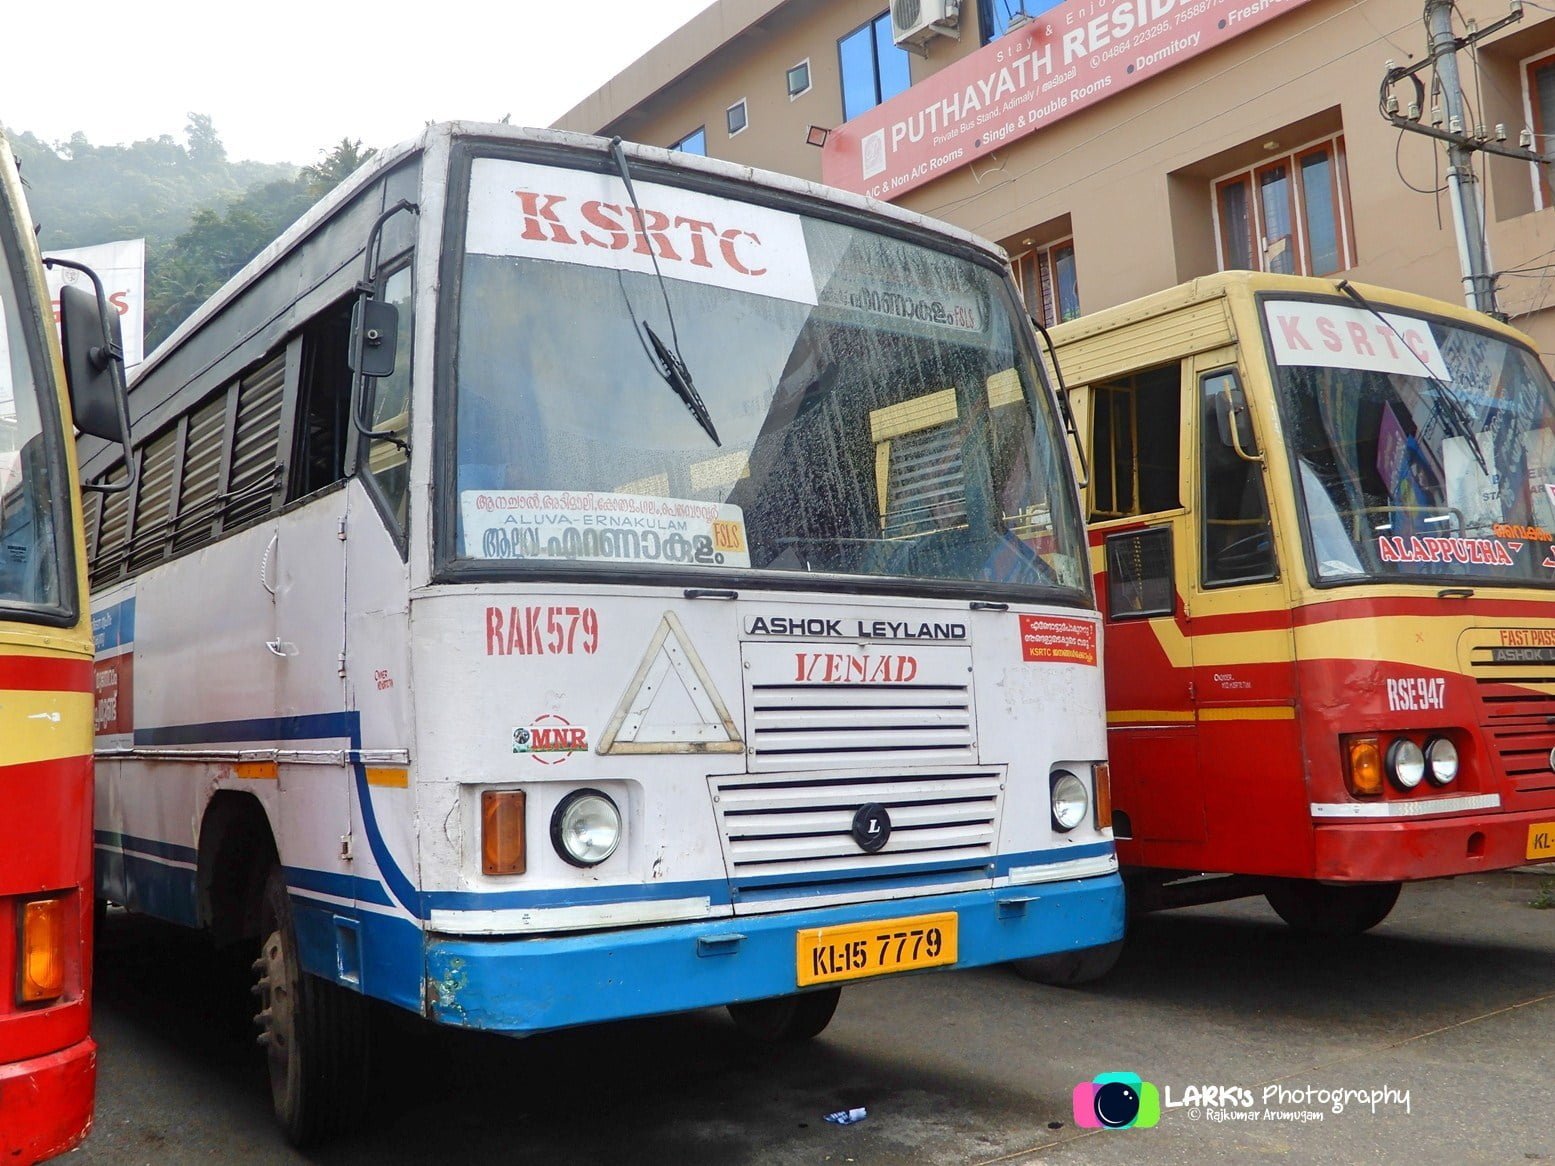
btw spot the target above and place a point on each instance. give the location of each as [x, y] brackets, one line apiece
[876, 403]
[1423, 449]
[29, 553]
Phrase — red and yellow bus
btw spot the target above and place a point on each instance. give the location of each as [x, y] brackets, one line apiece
[48, 1062]
[1322, 524]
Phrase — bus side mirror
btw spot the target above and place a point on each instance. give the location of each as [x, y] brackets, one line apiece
[1231, 410]
[375, 327]
[94, 362]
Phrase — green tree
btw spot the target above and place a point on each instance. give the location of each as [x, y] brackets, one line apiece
[204, 143]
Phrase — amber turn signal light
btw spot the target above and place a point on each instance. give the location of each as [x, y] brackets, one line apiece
[42, 951]
[1103, 773]
[1363, 766]
[502, 831]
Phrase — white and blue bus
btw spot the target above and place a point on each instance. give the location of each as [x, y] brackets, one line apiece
[565, 580]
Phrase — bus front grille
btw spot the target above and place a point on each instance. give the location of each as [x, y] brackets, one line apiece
[774, 827]
[1518, 719]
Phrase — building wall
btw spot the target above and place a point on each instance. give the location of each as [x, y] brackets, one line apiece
[1131, 177]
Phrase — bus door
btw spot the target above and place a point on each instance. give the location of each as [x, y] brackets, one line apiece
[1240, 635]
[1140, 530]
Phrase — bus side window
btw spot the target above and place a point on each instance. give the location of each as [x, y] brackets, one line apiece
[1135, 436]
[1237, 544]
[323, 403]
[388, 404]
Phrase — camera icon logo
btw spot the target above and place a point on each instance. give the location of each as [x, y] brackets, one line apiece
[1116, 1101]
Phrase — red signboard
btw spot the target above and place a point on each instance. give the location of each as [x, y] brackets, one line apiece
[1057, 639]
[1071, 56]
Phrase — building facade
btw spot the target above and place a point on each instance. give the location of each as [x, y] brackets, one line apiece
[1116, 147]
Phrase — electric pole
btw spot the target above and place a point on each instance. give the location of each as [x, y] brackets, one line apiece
[1449, 123]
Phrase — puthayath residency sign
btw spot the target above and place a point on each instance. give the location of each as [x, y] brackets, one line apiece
[1070, 57]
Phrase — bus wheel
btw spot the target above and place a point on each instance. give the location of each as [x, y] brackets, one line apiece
[1070, 969]
[1332, 911]
[786, 1019]
[314, 1033]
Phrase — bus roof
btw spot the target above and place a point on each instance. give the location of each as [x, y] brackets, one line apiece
[385, 160]
[1224, 283]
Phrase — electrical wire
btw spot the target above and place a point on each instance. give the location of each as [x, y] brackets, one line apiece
[1398, 166]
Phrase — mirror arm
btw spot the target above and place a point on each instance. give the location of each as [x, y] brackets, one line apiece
[364, 289]
[109, 356]
[1063, 403]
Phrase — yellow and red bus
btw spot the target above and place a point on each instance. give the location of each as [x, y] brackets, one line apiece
[48, 1062]
[1322, 526]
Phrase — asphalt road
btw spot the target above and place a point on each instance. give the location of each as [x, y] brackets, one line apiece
[1452, 1000]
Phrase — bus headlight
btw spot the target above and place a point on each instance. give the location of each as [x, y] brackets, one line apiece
[1071, 801]
[1441, 757]
[586, 827]
[1406, 763]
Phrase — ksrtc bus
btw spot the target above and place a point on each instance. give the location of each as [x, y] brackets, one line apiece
[1322, 524]
[48, 1061]
[570, 581]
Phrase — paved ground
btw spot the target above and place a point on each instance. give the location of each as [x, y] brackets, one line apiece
[1453, 1000]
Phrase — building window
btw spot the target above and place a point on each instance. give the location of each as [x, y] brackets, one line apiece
[996, 17]
[1539, 94]
[1047, 282]
[799, 79]
[873, 68]
[735, 117]
[1289, 214]
[693, 143]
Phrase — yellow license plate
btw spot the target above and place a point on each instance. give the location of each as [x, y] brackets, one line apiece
[829, 954]
[1541, 840]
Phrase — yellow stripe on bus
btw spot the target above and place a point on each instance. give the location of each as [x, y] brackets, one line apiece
[45, 726]
[393, 778]
[1148, 716]
[1266, 713]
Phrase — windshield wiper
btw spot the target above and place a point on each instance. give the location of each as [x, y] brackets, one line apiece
[673, 369]
[665, 358]
[1449, 406]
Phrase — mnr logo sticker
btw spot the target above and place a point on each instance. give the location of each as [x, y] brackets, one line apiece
[1116, 1101]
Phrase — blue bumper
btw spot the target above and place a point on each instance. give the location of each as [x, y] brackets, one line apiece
[531, 985]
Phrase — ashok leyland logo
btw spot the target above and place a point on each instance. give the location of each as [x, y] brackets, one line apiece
[1116, 1101]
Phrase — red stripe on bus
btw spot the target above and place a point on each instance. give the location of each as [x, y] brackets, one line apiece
[1424, 605]
[45, 674]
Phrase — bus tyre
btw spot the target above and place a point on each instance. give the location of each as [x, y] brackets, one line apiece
[314, 1033]
[1332, 911]
[786, 1019]
[1070, 969]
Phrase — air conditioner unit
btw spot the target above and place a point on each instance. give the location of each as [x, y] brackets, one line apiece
[916, 22]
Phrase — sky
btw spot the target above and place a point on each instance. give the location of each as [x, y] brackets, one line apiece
[287, 79]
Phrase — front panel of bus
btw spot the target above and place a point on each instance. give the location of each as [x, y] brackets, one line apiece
[47, 1060]
[1414, 462]
[758, 606]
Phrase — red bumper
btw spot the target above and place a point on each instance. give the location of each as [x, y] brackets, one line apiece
[46, 1103]
[1384, 852]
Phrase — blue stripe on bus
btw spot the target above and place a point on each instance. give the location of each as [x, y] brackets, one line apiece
[150, 886]
[351, 887]
[389, 950]
[307, 727]
[151, 846]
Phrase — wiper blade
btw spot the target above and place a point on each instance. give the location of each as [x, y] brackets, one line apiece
[678, 377]
[670, 364]
[1449, 406]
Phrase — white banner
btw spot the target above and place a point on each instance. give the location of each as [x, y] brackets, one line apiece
[573, 216]
[593, 527]
[1339, 336]
[122, 268]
